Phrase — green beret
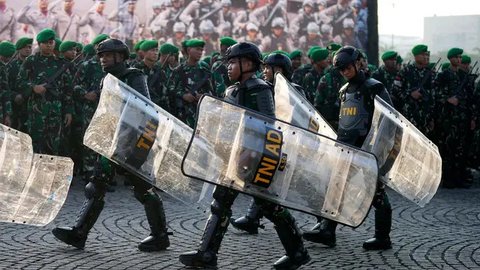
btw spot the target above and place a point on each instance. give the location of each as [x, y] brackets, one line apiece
[227, 41]
[184, 43]
[7, 49]
[194, 43]
[67, 45]
[333, 47]
[99, 39]
[399, 59]
[466, 59]
[23, 42]
[207, 59]
[57, 44]
[389, 55]
[88, 49]
[454, 52]
[79, 46]
[313, 48]
[319, 55]
[45, 35]
[137, 45]
[445, 66]
[295, 54]
[148, 45]
[168, 48]
[418, 49]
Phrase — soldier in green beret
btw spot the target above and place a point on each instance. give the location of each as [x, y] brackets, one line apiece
[168, 62]
[48, 92]
[7, 50]
[296, 58]
[312, 77]
[88, 52]
[387, 73]
[453, 95]
[413, 91]
[299, 73]
[189, 82]
[19, 105]
[219, 68]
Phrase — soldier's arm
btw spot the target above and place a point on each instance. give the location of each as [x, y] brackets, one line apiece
[24, 85]
[23, 15]
[320, 92]
[67, 93]
[5, 94]
[187, 14]
[218, 83]
[13, 28]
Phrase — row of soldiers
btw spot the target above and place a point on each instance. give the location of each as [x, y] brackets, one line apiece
[316, 23]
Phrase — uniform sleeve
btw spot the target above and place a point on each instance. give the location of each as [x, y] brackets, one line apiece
[139, 83]
[5, 94]
[265, 102]
[67, 91]
[24, 85]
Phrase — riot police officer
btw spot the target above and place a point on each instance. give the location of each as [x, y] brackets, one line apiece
[113, 53]
[359, 93]
[244, 61]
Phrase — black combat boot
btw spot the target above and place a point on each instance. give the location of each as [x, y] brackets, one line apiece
[158, 239]
[77, 235]
[383, 225]
[251, 221]
[323, 233]
[215, 229]
[290, 236]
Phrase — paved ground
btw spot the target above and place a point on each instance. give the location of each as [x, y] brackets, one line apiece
[443, 235]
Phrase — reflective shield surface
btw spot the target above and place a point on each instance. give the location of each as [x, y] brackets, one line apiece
[292, 107]
[133, 132]
[409, 162]
[276, 161]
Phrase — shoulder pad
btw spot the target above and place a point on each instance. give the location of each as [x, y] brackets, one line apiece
[371, 82]
[256, 83]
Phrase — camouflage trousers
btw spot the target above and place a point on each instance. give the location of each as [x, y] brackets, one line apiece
[45, 126]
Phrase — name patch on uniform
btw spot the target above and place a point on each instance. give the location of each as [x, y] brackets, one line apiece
[270, 160]
[313, 125]
[143, 144]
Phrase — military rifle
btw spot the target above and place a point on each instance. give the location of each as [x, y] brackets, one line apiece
[458, 92]
[427, 76]
[207, 15]
[156, 75]
[49, 82]
[267, 22]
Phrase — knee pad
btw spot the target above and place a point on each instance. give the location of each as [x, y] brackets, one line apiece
[224, 196]
[219, 209]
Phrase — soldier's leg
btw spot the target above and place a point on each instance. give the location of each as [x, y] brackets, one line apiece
[215, 229]
[383, 221]
[145, 194]
[251, 221]
[91, 209]
[289, 234]
[323, 232]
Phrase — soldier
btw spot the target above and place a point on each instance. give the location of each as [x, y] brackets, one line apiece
[242, 19]
[312, 38]
[278, 39]
[243, 61]
[326, 33]
[198, 11]
[299, 74]
[227, 15]
[47, 86]
[96, 19]
[219, 67]
[68, 22]
[313, 76]
[263, 17]
[387, 73]
[361, 23]
[179, 32]
[337, 15]
[19, 105]
[8, 22]
[358, 93]
[207, 34]
[88, 53]
[113, 53]
[252, 35]
[347, 37]
[296, 58]
[167, 20]
[169, 61]
[455, 120]
[299, 25]
[399, 62]
[190, 81]
[7, 50]
[319, 15]
[38, 19]
[413, 91]
[129, 30]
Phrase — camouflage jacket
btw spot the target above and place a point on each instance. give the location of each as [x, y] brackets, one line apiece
[451, 83]
[299, 74]
[5, 95]
[387, 79]
[310, 83]
[220, 77]
[156, 80]
[327, 95]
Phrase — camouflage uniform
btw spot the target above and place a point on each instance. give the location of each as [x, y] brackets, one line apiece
[45, 112]
[387, 78]
[326, 97]
[5, 95]
[194, 79]
[299, 73]
[220, 77]
[19, 116]
[310, 83]
[419, 112]
[155, 80]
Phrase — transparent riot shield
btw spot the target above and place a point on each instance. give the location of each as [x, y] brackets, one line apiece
[409, 162]
[293, 108]
[133, 132]
[285, 164]
[33, 187]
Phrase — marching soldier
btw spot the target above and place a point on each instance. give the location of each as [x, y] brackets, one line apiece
[47, 87]
[337, 15]
[387, 73]
[19, 105]
[190, 81]
[296, 58]
[219, 67]
[38, 19]
[252, 36]
[312, 78]
[112, 54]
[227, 15]
[7, 50]
[278, 39]
[96, 19]
[299, 74]
[347, 36]
[8, 22]
[179, 34]
[129, 30]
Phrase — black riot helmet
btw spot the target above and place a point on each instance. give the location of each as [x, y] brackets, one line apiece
[345, 56]
[246, 50]
[114, 45]
[280, 60]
